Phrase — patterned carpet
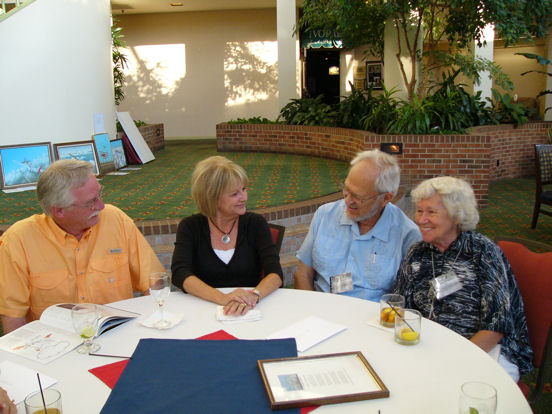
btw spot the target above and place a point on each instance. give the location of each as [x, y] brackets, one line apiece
[160, 190]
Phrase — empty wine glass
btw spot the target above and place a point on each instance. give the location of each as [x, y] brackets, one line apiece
[85, 317]
[160, 287]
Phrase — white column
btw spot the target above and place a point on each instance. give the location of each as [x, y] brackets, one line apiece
[485, 51]
[288, 62]
[548, 98]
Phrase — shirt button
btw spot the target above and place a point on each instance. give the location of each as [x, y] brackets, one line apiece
[80, 273]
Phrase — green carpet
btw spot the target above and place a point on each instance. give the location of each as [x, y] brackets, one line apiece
[161, 188]
[510, 210]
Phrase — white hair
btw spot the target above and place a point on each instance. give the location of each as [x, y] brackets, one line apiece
[389, 176]
[457, 197]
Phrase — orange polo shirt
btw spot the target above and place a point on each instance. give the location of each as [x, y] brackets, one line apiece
[41, 264]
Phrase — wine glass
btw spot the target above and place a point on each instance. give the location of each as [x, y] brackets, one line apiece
[160, 287]
[85, 317]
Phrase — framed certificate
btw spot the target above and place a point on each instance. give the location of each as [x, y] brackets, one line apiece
[320, 379]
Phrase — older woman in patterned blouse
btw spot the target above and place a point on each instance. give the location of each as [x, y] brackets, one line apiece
[461, 279]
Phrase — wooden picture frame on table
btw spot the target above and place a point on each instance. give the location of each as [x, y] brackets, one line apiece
[118, 151]
[21, 165]
[103, 149]
[80, 150]
[291, 382]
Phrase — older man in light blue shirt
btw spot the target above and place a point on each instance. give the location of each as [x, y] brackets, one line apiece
[355, 246]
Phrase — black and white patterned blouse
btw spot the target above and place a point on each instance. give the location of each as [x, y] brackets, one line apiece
[489, 299]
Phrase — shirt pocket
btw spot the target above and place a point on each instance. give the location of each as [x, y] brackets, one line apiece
[327, 258]
[49, 288]
[109, 279]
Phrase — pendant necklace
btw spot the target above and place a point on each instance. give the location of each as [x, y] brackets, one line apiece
[225, 236]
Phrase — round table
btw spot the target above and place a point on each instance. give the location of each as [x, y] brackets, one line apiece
[424, 378]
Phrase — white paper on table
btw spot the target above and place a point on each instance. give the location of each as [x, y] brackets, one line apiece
[19, 381]
[308, 332]
[375, 323]
[252, 315]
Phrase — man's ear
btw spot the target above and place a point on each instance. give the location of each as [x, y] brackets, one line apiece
[387, 197]
[57, 212]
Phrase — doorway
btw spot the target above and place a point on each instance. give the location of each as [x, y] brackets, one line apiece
[322, 74]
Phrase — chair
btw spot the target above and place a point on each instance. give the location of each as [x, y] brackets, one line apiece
[543, 161]
[277, 235]
[533, 273]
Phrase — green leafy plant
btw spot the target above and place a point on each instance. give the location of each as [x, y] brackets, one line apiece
[308, 111]
[456, 109]
[252, 120]
[383, 111]
[507, 111]
[119, 62]
[353, 108]
[543, 61]
[415, 117]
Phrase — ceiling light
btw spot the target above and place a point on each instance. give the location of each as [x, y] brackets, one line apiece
[176, 4]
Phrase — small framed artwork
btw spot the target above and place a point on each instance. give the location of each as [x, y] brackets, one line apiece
[105, 156]
[21, 165]
[295, 382]
[119, 158]
[374, 75]
[81, 150]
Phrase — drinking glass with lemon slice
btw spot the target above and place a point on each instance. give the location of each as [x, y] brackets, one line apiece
[390, 305]
[85, 317]
[407, 327]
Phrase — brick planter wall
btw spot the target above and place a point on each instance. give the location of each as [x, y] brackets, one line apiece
[153, 134]
[485, 153]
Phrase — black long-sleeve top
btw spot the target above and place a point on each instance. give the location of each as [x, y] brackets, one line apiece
[254, 252]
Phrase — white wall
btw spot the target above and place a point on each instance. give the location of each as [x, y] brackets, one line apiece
[55, 72]
[193, 70]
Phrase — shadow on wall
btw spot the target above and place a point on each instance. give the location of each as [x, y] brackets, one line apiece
[247, 76]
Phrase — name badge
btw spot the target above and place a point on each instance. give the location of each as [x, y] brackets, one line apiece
[341, 283]
[114, 251]
[446, 284]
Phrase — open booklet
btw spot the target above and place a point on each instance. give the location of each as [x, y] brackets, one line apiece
[53, 335]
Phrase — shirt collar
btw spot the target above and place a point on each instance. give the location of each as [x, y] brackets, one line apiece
[61, 235]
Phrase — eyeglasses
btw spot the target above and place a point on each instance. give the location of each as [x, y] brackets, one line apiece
[92, 203]
[356, 197]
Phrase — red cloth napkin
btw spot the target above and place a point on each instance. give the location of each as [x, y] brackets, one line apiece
[110, 373]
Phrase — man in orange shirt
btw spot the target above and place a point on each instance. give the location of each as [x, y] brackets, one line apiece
[79, 250]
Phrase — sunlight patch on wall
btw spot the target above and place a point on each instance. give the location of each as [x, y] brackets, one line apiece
[250, 71]
[156, 68]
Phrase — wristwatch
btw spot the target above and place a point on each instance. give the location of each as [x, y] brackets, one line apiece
[256, 292]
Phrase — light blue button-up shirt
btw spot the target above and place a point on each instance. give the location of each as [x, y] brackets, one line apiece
[334, 245]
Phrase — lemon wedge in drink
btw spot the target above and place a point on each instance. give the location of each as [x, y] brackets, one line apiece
[407, 334]
[87, 332]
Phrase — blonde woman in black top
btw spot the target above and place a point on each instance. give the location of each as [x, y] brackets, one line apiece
[223, 245]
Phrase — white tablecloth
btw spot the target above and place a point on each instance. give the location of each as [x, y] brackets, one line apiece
[424, 378]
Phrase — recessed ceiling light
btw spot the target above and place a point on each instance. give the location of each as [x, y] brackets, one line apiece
[177, 4]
